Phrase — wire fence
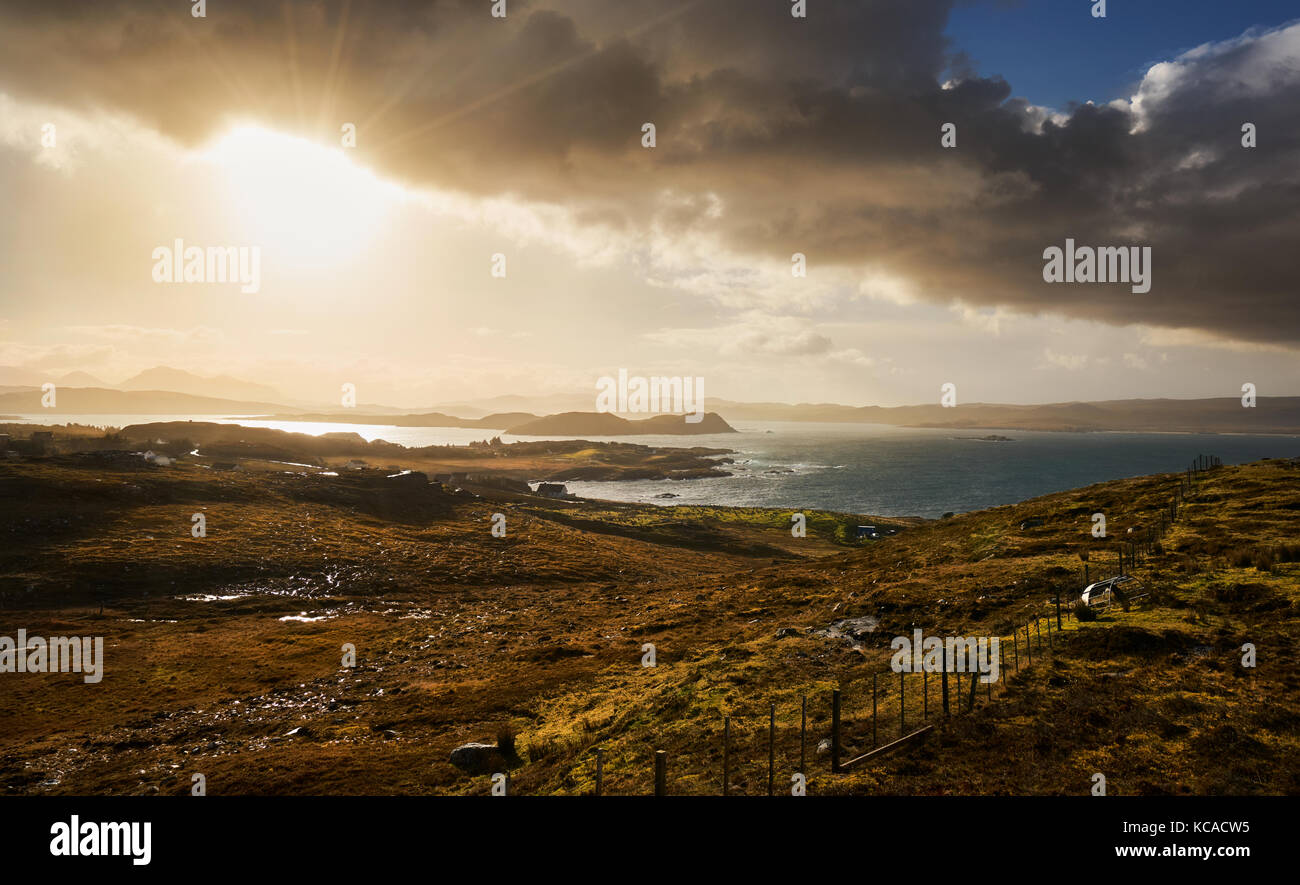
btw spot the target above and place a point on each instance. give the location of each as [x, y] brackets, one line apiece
[770, 753]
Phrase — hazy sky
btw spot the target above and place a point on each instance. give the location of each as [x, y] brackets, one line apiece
[522, 136]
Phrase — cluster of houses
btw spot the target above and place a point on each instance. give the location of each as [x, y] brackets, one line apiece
[41, 444]
[873, 533]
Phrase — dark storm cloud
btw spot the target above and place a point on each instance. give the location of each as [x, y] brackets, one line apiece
[818, 135]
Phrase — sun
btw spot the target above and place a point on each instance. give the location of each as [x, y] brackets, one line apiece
[298, 199]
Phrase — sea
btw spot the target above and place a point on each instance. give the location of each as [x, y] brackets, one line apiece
[852, 468]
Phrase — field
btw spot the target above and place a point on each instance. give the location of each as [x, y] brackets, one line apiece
[224, 654]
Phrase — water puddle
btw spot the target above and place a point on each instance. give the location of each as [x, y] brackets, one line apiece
[304, 618]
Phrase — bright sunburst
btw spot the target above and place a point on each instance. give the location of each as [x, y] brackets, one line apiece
[299, 199]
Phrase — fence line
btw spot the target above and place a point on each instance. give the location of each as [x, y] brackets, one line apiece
[950, 696]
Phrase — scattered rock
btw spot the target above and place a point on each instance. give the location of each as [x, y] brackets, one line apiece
[858, 628]
[474, 758]
[851, 630]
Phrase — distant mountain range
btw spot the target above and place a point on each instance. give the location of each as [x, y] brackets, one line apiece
[160, 378]
[1277, 414]
[168, 391]
[499, 421]
[219, 387]
[100, 401]
[605, 424]
[528, 424]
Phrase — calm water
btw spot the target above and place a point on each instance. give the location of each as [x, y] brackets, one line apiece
[862, 468]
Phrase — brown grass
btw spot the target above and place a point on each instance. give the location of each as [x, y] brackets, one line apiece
[461, 636]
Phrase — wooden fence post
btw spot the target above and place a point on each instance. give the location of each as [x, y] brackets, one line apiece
[1029, 654]
[661, 773]
[902, 698]
[803, 730]
[835, 731]
[874, 741]
[925, 693]
[945, 681]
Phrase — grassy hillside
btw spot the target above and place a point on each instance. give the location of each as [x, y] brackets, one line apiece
[461, 636]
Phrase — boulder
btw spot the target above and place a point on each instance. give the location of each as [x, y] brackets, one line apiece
[475, 758]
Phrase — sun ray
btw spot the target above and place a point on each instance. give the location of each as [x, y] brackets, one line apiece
[328, 94]
[295, 74]
[513, 88]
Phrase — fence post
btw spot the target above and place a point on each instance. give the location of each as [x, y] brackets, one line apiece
[1029, 653]
[771, 751]
[726, 755]
[1015, 646]
[925, 693]
[874, 741]
[600, 767]
[661, 773]
[803, 730]
[1058, 610]
[835, 731]
[945, 681]
[902, 699]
